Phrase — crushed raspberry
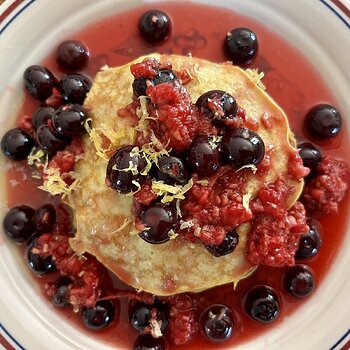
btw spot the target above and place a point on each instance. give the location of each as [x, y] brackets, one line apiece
[296, 169]
[55, 100]
[145, 196]
[275, 232]
[25, 122]
[64, 220]
[324, 192]
[183, 324]
[178, 118]
[66, 159]
[271, 199]
[148, 68]
[76, 146]
[129, 112]
[265, 165]
[216, 207]
[165, 94]
[241, 114]
[63, 160]
[251, 124]
[85, 272]
[268, 120]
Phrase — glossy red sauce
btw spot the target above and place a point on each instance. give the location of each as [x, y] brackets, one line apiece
[290, 79]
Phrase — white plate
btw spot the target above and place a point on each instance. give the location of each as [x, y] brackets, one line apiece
[30, 28]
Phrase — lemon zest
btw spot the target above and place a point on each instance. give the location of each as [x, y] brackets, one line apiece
[172, 234]
[256, 77]
[246, 197]
[137, 184]
[143, 115]
[252, 167]
[36, 155]
[55, 183]
[203, 182]
[178, 208]
[97, 136]
[186, 224]
[132, 168]
[170, 192]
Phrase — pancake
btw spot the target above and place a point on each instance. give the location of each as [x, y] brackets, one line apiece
[104, 218]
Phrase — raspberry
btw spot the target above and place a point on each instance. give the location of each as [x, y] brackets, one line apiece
[63, 160]
[275, 232]
[145, 196]
[271, 199]
[296, 169]
[178, 116]
[25, 123]
[85, 272]
[216, 207]
[183, 324]
[64, 224]
[324, 192]
[148, 68]
[55, 100]
[66, 159]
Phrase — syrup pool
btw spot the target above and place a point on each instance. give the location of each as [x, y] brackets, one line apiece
[289, 78]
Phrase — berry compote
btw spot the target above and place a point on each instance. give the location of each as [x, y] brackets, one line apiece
[290, 79]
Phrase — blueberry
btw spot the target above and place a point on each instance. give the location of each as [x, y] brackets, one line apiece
[172, 170]
[61, 296]
[140, 315]
[39, 82]
[74, 88]
[309, 242]
[49, 141]
[100, 316]
[204, 155]
[69, 120]
[164, 76]
[310, 155]
[159, 220]
[18, 223]
[217, 323]
[45, 218]
[155, 26]
[262, 304]
[227, 246]
[299, 281]
[16, 144]
[323, 121]
[72, 55]
[139, 86]
[42, 115]
[242, 147]
[37, 263]
[120, 179]
[146, 342]
[218, 106]
[241, 45]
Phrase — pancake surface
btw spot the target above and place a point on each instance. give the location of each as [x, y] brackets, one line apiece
[104, 218]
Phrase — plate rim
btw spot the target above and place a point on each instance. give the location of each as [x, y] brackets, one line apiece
[10, 10]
